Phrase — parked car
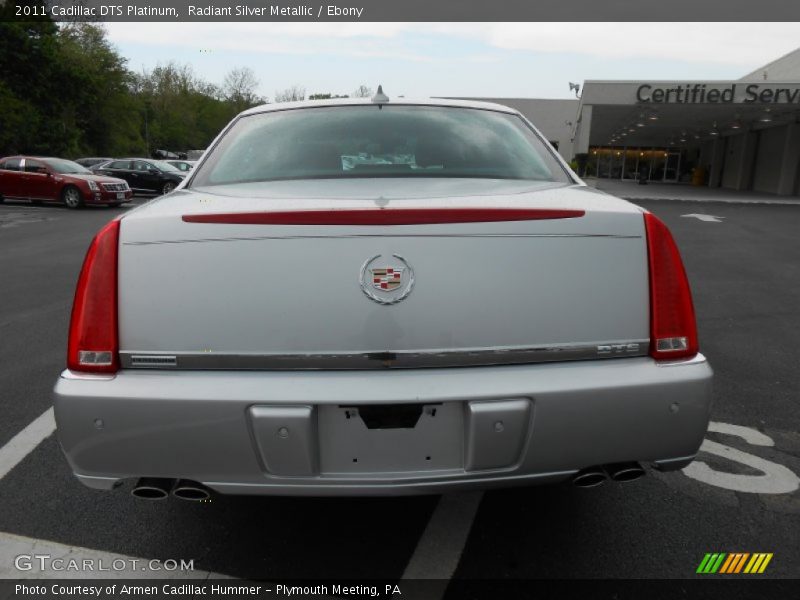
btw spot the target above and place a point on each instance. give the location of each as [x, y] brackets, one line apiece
[143, 175]
[183, 165]
[43, 179]
[90, 162]
[377, 297]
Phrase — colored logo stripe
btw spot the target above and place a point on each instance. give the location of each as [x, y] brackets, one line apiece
[727, 564]
[735, 562]
[721, 562]
[711, 563]
[758, 563]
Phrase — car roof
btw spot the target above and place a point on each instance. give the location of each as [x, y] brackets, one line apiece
[445, 102]
[32, 156]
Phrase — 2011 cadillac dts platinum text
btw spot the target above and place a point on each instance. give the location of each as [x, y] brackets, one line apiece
[380, 297]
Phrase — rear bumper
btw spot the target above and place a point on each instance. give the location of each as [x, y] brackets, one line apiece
[300, 433]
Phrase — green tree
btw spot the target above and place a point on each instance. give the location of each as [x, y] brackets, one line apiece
[28, 53]
[66, 91]
[291, 94]
[240, 87]
[98, 103]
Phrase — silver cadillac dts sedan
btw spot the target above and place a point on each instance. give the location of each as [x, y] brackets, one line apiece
[380, 296]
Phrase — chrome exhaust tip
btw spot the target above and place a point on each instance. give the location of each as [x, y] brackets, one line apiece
[152, 488]
[622, 472]
[591, 477]
[191, 491]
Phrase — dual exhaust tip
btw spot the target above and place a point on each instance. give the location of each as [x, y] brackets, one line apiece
[157, 488]
[620, 472]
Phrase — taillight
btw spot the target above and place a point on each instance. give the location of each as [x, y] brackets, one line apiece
[673, 330]
[93, 342]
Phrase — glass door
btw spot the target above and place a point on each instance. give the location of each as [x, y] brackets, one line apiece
[657, 166]
[630, 165]
[672, 166]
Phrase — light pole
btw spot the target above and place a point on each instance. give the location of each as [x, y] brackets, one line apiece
[146, 129]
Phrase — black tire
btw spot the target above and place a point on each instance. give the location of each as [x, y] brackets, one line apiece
[168, 187]
[71, 196]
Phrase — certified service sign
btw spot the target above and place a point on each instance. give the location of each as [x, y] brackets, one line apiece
[387, 280]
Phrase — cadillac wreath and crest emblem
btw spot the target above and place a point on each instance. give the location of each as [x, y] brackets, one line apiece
[387, 280]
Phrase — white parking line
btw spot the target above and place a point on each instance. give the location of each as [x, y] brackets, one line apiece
[748, 434]
[439, 549]
[26, 441]
[774, 478]
[23, 558]
[706, 218]
[436, 556]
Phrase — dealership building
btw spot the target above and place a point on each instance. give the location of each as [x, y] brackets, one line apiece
[739, 135]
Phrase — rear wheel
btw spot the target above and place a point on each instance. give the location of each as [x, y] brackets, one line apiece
[168, 187]
[72, 197]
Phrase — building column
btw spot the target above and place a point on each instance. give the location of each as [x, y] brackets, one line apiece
[583, 131]
[790, 160]
[746, 160]
[715, 168]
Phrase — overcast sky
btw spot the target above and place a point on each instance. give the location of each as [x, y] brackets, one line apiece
[452, 59]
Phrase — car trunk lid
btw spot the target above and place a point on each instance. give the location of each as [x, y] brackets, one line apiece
[303, 274]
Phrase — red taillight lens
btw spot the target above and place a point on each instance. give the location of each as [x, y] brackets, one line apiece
[93, 342]
[386, 216]
[673, 330]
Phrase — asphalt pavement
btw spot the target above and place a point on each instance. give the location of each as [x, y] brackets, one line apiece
[745, 273]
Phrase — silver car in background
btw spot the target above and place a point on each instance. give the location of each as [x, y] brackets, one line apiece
[380, 297]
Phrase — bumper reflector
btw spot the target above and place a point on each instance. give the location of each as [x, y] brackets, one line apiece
[672, 344]
[86, 357]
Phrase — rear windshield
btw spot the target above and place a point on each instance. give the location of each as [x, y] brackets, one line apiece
[371, 141]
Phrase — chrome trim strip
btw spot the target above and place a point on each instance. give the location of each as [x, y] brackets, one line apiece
[388, 236]
[385, 360]
[75, 375]
[695, 360]
[153, 360]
